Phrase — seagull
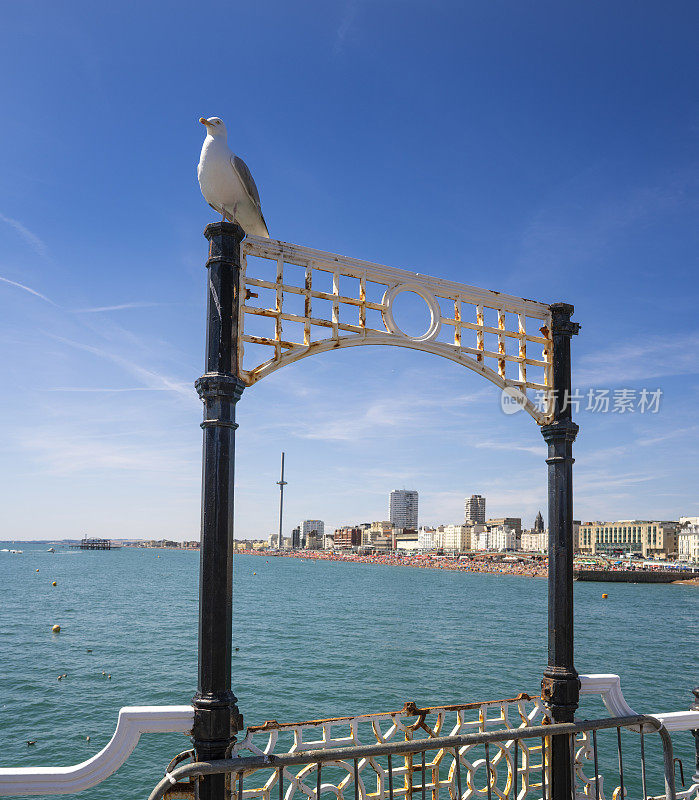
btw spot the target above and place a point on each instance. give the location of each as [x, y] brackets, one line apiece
[226, 182]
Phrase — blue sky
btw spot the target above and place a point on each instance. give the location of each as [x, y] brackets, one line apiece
[545, 149]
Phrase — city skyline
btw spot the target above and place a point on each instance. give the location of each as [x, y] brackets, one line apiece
[562, 167]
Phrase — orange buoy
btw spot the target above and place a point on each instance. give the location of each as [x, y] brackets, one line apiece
[53, 583]
[605, 596]
[56, 629]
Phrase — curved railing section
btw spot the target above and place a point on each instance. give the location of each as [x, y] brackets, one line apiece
[608, 687]
[274, 739]
[132, 723]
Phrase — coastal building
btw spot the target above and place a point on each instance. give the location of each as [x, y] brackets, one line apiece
[474, 508]
[348, 537]
[456, 538]
[296, 538]
[539, 523]
[328, 541]
[402, 509]
[508, 522]
[688, 540]
[498, 537]
[375, 531]
[273, 541]
[405, 539]
[534, 541]
[312, 527]
[314, 541]
[426, 539]
[648, 538]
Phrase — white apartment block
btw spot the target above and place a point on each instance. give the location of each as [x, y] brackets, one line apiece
[474, 508]
[497, 538]
[456, 538]
[688, 540]
[426, 539]
[535, 541]
[402, 509]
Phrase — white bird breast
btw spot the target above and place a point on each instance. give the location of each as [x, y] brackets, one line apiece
[219, 182]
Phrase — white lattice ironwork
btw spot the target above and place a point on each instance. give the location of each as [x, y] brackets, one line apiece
[404, 778]
[297, 301]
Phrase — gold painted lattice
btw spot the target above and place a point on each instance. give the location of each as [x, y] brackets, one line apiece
[373, 779]
[298, 301]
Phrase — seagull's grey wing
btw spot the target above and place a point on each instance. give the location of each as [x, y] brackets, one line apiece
[245, 176]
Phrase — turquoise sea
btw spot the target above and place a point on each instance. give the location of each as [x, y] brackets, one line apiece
[315, 639]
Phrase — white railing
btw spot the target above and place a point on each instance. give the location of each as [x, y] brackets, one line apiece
[275, 739]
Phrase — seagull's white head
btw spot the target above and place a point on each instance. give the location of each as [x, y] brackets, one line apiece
[214, 126]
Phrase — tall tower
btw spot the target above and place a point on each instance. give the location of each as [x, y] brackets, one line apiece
[402, 508]
[539, 523]
[474, 508]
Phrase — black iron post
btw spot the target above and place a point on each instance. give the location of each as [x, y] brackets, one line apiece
[216, 716]
[560, 687]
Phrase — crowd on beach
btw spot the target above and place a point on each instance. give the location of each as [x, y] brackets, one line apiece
[529, 568]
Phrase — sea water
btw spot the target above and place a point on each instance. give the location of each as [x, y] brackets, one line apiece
[313, 639]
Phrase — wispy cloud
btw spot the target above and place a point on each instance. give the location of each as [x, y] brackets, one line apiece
[30, 238]
[345, 25]
[651, 357]
[108, 390]
[539, 451]
[151, 378]
[29, 290]
[119, 307]
[68, 452]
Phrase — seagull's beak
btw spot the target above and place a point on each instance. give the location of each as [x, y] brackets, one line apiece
[203, 121]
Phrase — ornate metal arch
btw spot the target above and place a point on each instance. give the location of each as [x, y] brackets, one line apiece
[298, 301]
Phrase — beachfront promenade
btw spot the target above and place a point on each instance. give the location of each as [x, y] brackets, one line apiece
[530, 569]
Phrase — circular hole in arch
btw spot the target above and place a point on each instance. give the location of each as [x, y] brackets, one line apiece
[411, 313]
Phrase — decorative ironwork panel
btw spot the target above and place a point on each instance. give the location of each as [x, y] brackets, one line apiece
[298, 301]
[430, 776]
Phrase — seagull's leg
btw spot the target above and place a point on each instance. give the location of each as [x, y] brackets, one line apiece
[223, 213]
[235, 212]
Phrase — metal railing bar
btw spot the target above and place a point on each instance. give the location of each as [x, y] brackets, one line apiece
[515, 770]
[251, 763]
[320, 766]
[390, 778]
[571, 749]
[280, 773]
[487, 771]
[594, 750]
[621, 763]
[240, 785]
[424, 776]
[356, 779]
[543, 768]
[643, 767]
[458, 772]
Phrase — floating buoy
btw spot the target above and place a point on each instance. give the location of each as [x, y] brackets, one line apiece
[89, 650]
[56, 629]
[605, 596]
[254, 573]
[53, 583]
[59, 677]
[31, 742]
[87, 738]
[103, 672]
[110, 677]
[37, 570]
